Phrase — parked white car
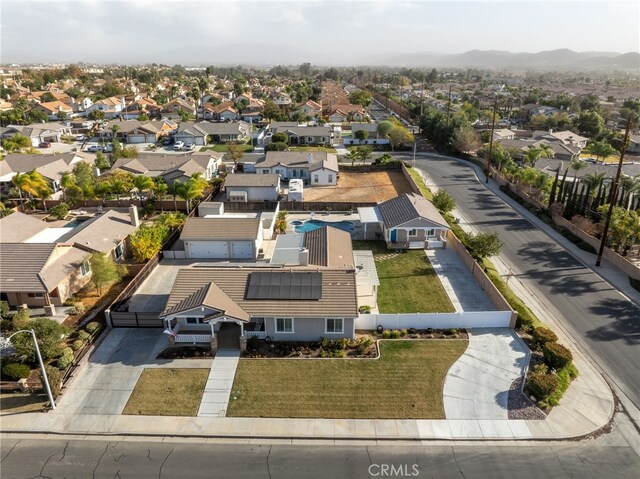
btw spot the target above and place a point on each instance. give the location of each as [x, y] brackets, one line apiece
[94, 148]
[79, 137]
[178, 145]
[190, 146]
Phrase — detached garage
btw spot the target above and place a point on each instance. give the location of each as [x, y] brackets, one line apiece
[222, 238]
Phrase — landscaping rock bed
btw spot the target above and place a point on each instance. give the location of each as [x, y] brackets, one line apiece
[362, 347]
[520, 406]
[420, 334]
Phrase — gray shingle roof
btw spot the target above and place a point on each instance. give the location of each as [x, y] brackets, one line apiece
[211, 296]
[220, 229]
[18, 227]
[299, 159]
[407, 207]
[329, 247]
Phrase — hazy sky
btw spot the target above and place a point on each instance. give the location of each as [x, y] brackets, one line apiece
[203, 32]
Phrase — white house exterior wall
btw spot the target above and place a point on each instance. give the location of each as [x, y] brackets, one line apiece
[324, 176]
[255, 193]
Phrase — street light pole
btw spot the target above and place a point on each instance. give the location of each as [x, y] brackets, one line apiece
[613, 194]
[44, 373]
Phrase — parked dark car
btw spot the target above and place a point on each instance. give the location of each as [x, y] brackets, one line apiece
[169, 141]
[45, 144]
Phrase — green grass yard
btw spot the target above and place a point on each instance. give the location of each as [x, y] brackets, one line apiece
[15, 403]
[426, 192]
[222, 148]
[167, 392]
[312, 148]
[408, 283]
[405, 382]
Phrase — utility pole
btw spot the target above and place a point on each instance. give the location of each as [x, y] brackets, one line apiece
[421, 103]
[614, 193]
[493, 127]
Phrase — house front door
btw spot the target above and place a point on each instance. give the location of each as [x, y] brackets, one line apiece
[394, 236]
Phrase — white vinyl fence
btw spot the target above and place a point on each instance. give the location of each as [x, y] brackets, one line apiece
[467, 319]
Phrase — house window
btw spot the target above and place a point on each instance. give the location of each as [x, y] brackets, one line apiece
[84, 268]
[284, 325]
[265, 172]
[334, 325]
[413, 232]
[118, 251]
[431, 232]
[194, 321]
[35, 295]
[316, 178]
[330, 178]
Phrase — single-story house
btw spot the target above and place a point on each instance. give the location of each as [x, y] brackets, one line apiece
[222, 237]
[409, 221]
[39, 132]
[172, 167]
[225, 111]
[317, 168]
[205, 132]
[309, 135]
[42, 274]
[311, 108]
[503, 134]
[241, 187]
[135, 131]
[282, 303]
[53, 108]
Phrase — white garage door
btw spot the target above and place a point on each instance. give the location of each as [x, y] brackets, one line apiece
[208, 249]
[135, 138]
[242, 249]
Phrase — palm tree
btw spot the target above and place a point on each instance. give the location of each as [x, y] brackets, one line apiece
[534, 153]
[33, 184]
[354, 155]
[143, 183]
[193, 188]
[593, 181]
[20, 180]
[173, 189]
[66, 180]
[114, 131]
[602, 149]
[577, 164]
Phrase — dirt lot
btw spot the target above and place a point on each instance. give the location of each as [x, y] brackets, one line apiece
[361, 187]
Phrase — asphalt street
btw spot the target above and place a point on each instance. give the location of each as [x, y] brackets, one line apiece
[597, 315]
[56, 458]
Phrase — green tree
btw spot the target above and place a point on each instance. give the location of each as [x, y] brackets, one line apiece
[361, 135]
[192, 189]
[443, 201]
[361, 97]
[147, 241]
[16, 142]
[534, 153]
[96, 115]
[601, 149]
[105, 271]
[47, 97]
[465, 139]
[365, 153]
[485, 245]
[280, 137]
[235, 152]
[101, 162]
[50, 336]
[353, 155]
[60, 211]
[399, 136]
[590, 123]
[143, 183]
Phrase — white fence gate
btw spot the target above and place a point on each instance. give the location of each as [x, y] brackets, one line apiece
[467, 319]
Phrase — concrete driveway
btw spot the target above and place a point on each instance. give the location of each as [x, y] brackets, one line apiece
[104, 384]
[477, 385]
[153, 293]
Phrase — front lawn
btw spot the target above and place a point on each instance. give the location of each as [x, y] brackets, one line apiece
[405, 382]
[408, 283]
[14, 403]
[312, 148]
[168, 392]
[222, 148]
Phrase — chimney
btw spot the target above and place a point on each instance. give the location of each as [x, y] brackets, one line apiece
[310, 158]
[304, 256]
[133, 214]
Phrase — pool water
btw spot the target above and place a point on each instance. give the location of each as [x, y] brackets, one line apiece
[311, 225]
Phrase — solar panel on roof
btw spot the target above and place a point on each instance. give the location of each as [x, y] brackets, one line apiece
[284, 285]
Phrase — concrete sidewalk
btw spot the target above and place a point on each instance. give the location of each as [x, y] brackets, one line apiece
[478, 383]
[215, 398]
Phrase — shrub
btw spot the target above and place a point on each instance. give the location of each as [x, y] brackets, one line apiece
[403, 332]
[66, 359]
[21, 319]
[362, 344]
[395, 334]
[16, 371]
[84, 336]
[253, 342]
[443, 201]
[556, 355]
[276, 146]
[542, 336]
[59, 211]
[49, 334]
[55, 380]
[386, 334]
[565, 376]
[92, 327]
[4, 309]
[78, 308]
[364, 309]
[77, 344]
[541, 383]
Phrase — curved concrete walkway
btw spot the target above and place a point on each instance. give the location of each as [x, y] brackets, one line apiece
[477, 385]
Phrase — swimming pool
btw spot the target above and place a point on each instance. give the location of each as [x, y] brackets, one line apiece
[311, 225]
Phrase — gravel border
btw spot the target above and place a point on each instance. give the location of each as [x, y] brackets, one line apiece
[520, 406]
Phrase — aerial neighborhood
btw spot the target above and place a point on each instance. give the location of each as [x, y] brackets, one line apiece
[355, 247]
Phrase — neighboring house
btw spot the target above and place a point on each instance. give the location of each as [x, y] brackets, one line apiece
[503, 134]
[41, 274]
[50, 166]
[53, 108]
[406, 222]
[282, 99]
[560, 150]
[566, 137]
[309, 135]
[38, 132]
[311, 108]
[222, 237]
[634, 144]
[284, 304]
[135, 131]
[111, 107]
[241, 187]
[317, 168]
[174, 106]
[225, 111]
[347, 112]
[204, 132]
[172, 167]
